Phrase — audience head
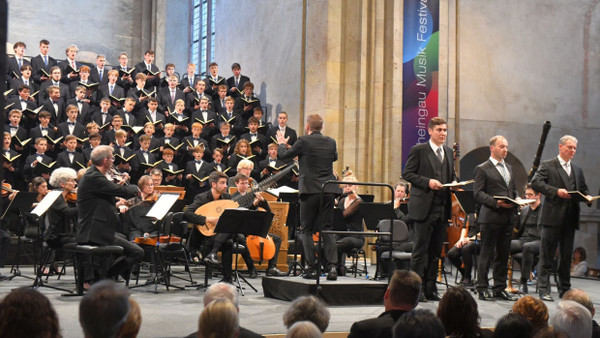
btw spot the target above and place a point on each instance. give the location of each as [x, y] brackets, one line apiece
[550, 332]
[221, 290]
[307, 308]
[418, 323]
[513, 325]
[403, 291]
[25, 312]
[581, 297]
[219, 319]
[579, 254]
[458, 312]
[132, 325]
[304, 329]
[573, 318]
[534, 310]
[103, 310]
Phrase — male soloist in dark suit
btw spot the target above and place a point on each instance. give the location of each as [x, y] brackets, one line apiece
[560, 214]
[98, 217]
[496, 218]
[401, 296]
[429, 165]
[316, 156]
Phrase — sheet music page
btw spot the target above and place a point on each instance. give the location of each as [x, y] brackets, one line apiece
[46, 202]
[162, 206]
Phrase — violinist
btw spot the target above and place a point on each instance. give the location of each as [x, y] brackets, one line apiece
[135, 222]
[4, 235]
[39, 185]
[241, 182]
[98, 217]
[401, 201]
[349, 204]
[462, 253]
[61, 218]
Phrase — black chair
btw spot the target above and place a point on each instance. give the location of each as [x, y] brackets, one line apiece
[399, 235]
[53, 262]
[172, 250]
[29, 232]
[355, 256]
[97, 258]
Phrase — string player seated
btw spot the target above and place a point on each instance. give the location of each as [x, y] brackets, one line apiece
[135, 222]
[221, 238]
[349, 203]
[462, 253]
[242, 184]
[218, 191]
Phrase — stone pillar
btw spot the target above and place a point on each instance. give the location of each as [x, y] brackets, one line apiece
[353, 79]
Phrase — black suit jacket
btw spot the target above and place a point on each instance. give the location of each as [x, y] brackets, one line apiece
[488, 183]
[98, 217]
[95, 75]
[289, 132]
[65, 68]
[55, 116]
[548, 179]
[164, 98]
[233, 92]
[62, 160]
[419, 169]
[316, 156]
[380, 327]
[37, 64]
[13, 67]
[78, 131]
[65, 91]
[141, 68]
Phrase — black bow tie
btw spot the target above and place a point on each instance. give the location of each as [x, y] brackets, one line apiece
[197, 162]
[70, 152]
[145, 152]
[253, 134]
[44, 128]
[71, 123]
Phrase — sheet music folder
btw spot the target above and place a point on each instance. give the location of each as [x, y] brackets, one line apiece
[466, 199]
[245, 222]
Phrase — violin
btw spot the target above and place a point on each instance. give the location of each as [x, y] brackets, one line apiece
[71, 197]
[6, 189]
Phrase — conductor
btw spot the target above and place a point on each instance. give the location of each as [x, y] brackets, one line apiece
[316, 154]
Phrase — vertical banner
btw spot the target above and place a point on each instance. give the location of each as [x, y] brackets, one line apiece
[420, 71]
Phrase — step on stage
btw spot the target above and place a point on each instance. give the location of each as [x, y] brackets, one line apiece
[344, 291]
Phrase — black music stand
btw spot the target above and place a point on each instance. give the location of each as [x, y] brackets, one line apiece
[372, 213]
[244, 222]
[293, 218]
[21, 205]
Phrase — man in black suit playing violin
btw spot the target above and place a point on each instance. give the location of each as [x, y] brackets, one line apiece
[428, 167]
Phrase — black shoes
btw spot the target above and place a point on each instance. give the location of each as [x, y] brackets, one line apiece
[466, 281]
[523, 288]
[310, 274]
[486, 295]
[252, 273]
[546, 297]
[212, 259]
[274, 272]
[434, 296]
[332, 275]
[503, 295]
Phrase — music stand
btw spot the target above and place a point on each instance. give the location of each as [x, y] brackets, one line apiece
[372, 213]
[244, 222]
[293, 218]
[21, 205]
